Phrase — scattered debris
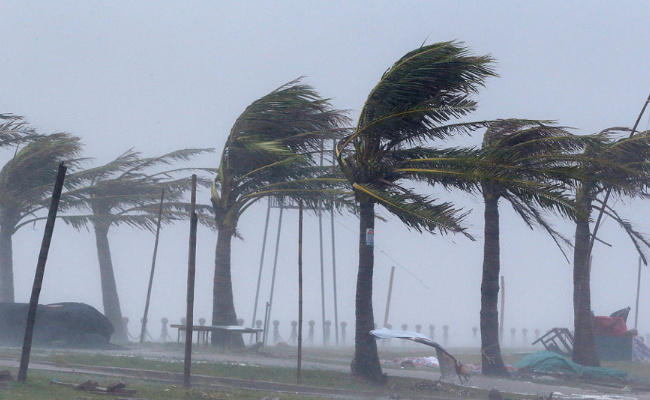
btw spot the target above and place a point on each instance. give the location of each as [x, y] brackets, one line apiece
[447, 362]
[113, 387]
[87, 385]
[130, 398]
[495, 395]
[116, 388]
[5, 376]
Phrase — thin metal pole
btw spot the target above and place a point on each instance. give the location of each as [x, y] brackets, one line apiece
[275, 267]
[638, 291]
[259, 275]
[153, 267]
[336, 308]
[322, 264]
[191, 272]
[336, 311]
[299, 371]
[390, 291]
[40, 272]
[503, 300]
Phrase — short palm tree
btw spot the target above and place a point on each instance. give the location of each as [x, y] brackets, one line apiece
[271, 152]
[413, 102]
[125, 191]
[620, 166]
[26, 183]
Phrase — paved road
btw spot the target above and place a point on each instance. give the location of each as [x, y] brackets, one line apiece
[562, 391]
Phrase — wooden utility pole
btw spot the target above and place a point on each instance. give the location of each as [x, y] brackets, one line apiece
[191, 271]
[40, 272]
[503, 300]
[153, 267]
[390, 291]
[299, 371]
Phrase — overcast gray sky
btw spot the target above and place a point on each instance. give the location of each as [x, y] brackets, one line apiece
[164, 75]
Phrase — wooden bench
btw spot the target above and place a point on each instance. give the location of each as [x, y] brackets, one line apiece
[203, 330]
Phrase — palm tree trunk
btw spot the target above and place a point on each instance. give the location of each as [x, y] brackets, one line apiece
[584, 345]
[491, 361]
[223, 306]
[6, 265]
[110, 297]
[366, 360]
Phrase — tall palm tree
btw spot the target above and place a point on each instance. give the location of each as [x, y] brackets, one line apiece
[25, 186]
[523, 162]
[126, 192]
[271, 152]
[412, 103]
[620, 166]
[533, 156]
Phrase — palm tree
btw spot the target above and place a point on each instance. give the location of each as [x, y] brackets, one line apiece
[26, 184]
[619, 166]
[421, 92]
[532, 155]
[270, 152]
[124, 192]
[523, 162]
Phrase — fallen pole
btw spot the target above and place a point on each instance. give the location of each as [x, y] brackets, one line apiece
[40, 272]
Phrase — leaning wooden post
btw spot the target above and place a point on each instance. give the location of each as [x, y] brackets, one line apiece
[40, 271]
[153, 267]
[390, 291]
[299, 372]
[191, 269]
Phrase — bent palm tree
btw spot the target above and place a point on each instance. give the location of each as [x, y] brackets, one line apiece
[530, 152]
[270, 152]
[421, 92]
[124, 192]
[622, 167]
[25, 186]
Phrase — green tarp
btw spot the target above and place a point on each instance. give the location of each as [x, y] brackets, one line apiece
[549, 362]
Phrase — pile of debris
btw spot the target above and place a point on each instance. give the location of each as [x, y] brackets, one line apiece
[115, 388]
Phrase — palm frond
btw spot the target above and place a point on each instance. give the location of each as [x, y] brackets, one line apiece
[639, 239]
[418, 212]
[27, 179]
[426, 87]
[276, 140]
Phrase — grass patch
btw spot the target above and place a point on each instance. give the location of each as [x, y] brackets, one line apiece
[38, 386]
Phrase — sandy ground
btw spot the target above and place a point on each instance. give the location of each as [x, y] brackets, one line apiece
[559, 389]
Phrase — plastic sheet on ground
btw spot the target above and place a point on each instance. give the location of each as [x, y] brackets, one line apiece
[547, 362]
[431, 362]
